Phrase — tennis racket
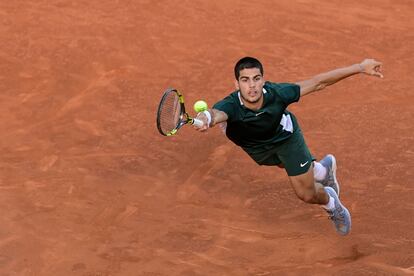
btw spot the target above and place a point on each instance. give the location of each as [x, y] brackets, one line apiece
[171, 115]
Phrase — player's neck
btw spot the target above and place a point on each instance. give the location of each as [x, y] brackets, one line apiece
[253, 106]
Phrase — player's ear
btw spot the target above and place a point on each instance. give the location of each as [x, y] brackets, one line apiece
[236, 84]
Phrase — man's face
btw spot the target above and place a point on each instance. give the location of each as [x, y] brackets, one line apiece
[250, 84]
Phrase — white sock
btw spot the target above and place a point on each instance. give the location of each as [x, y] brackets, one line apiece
[319, 171]
[331, 204]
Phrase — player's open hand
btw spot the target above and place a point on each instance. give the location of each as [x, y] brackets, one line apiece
[371, 67]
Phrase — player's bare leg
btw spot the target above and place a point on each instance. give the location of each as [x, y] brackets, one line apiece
[314, 193]
[307, 189]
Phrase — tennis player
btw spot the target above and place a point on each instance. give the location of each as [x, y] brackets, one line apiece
[255, 118]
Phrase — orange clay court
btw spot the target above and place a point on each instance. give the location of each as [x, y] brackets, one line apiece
[89, 187]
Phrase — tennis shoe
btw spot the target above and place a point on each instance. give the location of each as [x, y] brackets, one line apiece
[339, 215]
[329, 162]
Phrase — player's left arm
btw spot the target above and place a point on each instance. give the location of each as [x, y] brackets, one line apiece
[368, 66]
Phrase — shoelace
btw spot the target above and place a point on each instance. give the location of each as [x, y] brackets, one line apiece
[337, 215]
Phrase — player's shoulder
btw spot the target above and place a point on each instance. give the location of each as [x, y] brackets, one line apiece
[283, 91]
[276, 86]
[230, 98]
[228, 103]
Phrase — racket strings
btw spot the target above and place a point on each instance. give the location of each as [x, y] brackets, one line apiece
[170, 112]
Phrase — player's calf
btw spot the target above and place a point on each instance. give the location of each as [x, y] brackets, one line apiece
[307, 190]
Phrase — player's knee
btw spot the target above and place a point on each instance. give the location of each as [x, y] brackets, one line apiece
[305, 191]
[308, 197]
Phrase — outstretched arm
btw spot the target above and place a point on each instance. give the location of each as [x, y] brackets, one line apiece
[319, 82]
[216, 117]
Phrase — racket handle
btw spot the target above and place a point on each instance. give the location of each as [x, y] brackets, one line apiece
[198, 122]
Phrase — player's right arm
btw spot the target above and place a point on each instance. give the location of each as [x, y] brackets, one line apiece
[217, 116]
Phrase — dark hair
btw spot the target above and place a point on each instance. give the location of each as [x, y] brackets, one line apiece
[247, 62]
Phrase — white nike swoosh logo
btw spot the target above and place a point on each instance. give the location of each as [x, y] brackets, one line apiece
[257, 114]
[304, 164]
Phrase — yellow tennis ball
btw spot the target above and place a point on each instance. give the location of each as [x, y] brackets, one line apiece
[200, 106]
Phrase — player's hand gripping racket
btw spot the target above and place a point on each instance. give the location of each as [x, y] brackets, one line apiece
[171, 114]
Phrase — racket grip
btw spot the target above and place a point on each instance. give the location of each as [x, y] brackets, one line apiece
[198, 122]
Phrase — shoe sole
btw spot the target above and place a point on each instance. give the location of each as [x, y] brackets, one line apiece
[350, 221]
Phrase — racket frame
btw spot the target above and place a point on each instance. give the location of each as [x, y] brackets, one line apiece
[184, 117]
